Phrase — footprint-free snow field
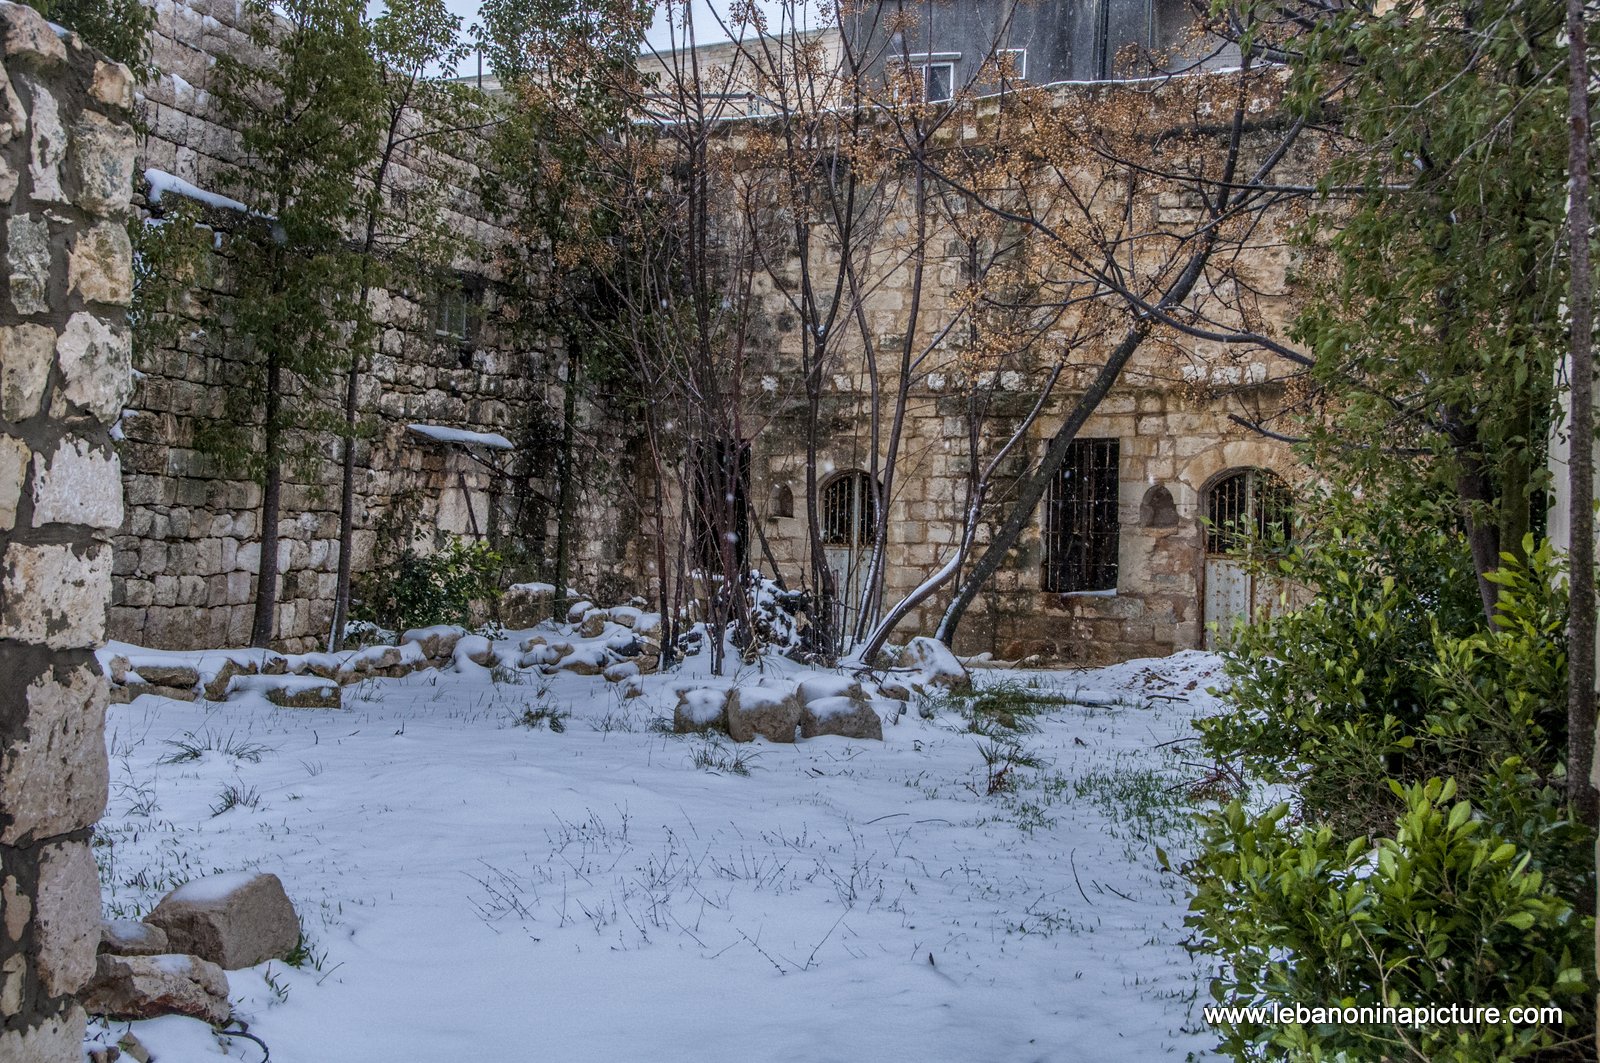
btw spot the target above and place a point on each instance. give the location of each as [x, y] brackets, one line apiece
[475, 883]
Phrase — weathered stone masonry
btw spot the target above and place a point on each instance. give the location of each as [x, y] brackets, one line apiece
[66, 157]
[187, 555]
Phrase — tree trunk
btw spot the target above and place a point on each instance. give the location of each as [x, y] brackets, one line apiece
[564, 484]
[1034, 491]
[347, 497]
[1584, 799]
[261, 629]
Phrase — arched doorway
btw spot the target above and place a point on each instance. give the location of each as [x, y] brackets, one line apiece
[1243, 507]
[849, 522]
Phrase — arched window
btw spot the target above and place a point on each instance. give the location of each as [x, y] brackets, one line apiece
[1245, 504]
[849, 511]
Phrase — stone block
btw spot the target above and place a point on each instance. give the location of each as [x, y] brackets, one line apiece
[102, 161]
[66, 922]
[26, 354]
[130, 937]
[53, 780]
[96, 366]
[29, 36]
[100, 265]
[771, 712]
[28, 258]
[77, 485]
[112, 85]
[143, 987]
[55, 594]
[47, 147]
[13, 467]
[234, 920]
[56, 1040]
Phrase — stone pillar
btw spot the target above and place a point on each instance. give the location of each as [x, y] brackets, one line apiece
[66, 172]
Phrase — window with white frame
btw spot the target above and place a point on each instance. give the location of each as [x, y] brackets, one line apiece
[938, 82]
[455, 316]
[1012, 63]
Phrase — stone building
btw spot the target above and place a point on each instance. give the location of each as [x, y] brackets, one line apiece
[462, 409]
[1118, 563]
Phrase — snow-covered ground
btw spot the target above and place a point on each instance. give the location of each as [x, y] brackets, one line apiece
[477, 889]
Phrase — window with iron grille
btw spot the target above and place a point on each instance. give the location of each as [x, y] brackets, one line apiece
[1245, 504]
[849, 511]
[1081, 532]
[720, 471]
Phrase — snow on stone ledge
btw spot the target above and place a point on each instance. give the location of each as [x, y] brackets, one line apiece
[441, 434]
[161, 183]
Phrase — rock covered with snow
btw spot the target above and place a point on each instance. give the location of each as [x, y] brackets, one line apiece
[844, 716]
[819, 685]
[130, 937]
[621, 671]
[438, 642]
[934, 664]
[700, 709]
[234, 920]
[143, 987]
[290, 691]
[771, 711]
[473, 650]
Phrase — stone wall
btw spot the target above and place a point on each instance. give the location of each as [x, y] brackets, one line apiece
[66, 155]
[187, 554]
[1170, 412]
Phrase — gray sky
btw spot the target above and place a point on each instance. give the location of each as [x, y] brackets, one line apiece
[706, 29]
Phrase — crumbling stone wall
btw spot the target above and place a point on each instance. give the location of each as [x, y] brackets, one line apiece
[187, 555]
[66, 158]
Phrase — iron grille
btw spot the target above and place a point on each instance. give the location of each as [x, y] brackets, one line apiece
[1081, 528]
[849, 511]
[1245, 504]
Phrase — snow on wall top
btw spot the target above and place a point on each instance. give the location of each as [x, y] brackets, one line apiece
[161, 182]
[441, 434]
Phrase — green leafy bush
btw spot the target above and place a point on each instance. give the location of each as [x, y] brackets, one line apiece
[1445, 910]
[119, 29]
[1427, 857]
[1333, 696]
[419, 590]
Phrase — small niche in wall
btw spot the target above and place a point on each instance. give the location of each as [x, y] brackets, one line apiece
[781, 504]
[1158, 510]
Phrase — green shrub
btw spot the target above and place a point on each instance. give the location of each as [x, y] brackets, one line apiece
[119, 29]
[1445, 910]
[420, 590]
[1351, 689]
[1427, 857]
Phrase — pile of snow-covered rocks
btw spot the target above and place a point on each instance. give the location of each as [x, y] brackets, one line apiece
[818, 703]
[621, 644]
[289, 680]
[173, 961]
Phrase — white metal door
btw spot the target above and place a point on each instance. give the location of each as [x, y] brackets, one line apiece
[1245, 503]
[1228, 595]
